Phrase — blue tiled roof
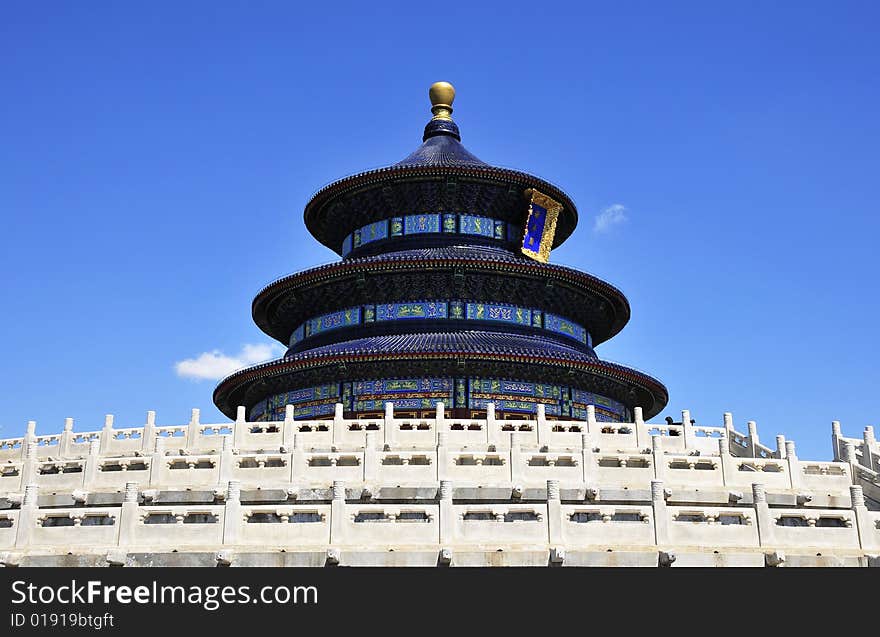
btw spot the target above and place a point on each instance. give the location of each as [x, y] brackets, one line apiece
[442, 150]
[477, 342]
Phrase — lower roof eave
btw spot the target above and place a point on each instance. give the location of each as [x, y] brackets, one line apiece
[654, 395]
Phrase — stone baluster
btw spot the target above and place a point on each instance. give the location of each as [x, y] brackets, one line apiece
[107, 434]
[554, 513]
[289, 427]
[543, 426]
[443, 455]
[193, 435]
[766, 531]
[835, 440]
[27, 516]
[389, 425]
[93, 461]
[588, 460]
[439, 418]
[849, 456]
[490, 416]
[754, 441]
[517, 459]
[129, 516]
[371, 458]
[338, 521]
[687, 429]
[30, 440]
[298, 462]
[728, 467]
[794, 465]
[157, 463]
[867, 531]
[148, 436]
[868, 450]
[661, 514]
[780, 447]
[592, 426]
[240, 428]
[232, 513]
[338, 425]
[447, 514]
[66, 438]
[641, 429]
[30, 461]
[658, 457]
[226, 471]
[728, 424]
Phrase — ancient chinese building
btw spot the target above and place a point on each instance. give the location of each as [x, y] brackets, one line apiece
[440, 403]
[444, 294]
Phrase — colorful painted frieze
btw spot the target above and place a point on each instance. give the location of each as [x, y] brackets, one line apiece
[421, 224]
[418, 310]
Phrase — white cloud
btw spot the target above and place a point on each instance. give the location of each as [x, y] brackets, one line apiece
[612, 215]
[215, 365]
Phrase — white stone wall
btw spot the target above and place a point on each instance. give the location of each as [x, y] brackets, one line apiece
[435, 491]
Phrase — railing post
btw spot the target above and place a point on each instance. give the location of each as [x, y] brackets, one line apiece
[439, 417]
[371, 458]
[766, 534]
[542, 425]
[780, 447]
[640, 427]
[30, 462]
[93, 461]
[835, 440]
[30, 437]
[149, 433]
[389, 426]
[687, 429]
[727, 468]
[240, 427]
[227, 461]
[794, 465]
[754, 441]
[158, 459]
[298, 462]
[554, 513]
[338, 424]
[867, 531]
[868, 449]
[661, 514]
[129, 516]
[337, 514]
[66, 438]
[728, 424]
[232, 515]
[849, 456]
[27, 516]
[588, 459]
[106, 435]
[592, 425]
[192, 430]
[447, 514]
[289, 427]
[517, 459]
[443, 455]
[658, 457]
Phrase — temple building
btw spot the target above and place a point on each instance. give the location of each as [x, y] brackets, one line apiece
[440, 403]
[444, 294]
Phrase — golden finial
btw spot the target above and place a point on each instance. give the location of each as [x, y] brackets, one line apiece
[442, 95]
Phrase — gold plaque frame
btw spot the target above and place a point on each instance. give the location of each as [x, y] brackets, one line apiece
[553, 209]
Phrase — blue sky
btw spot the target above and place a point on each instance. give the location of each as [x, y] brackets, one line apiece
[155, 159]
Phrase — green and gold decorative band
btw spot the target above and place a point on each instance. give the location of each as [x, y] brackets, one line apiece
[540, 227]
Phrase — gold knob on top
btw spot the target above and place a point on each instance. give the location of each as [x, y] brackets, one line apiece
[442, 95]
